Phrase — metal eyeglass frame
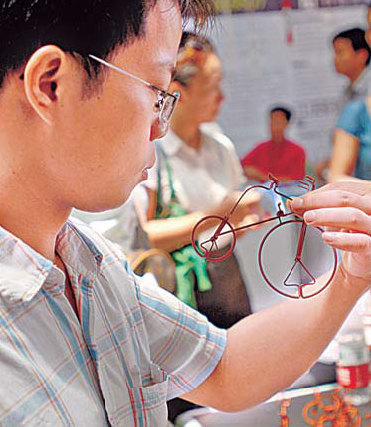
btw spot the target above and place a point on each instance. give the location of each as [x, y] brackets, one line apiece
[166, 102]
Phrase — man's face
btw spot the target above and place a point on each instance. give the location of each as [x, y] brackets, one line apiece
[102, 145]
[204, 94]
[345, 58]
[278, 124]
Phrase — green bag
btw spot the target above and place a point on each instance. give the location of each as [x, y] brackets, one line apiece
[188, 264]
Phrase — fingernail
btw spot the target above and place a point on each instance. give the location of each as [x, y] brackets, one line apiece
[309, 217]
[297, 203]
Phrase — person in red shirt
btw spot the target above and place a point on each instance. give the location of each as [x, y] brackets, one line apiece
[279, 156]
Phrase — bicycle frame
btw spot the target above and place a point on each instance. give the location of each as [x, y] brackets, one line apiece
[307, 183]
[208, 253]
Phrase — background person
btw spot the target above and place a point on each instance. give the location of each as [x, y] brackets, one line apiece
[351, 153]
[279, 156]
[196, 173]
[351, 59]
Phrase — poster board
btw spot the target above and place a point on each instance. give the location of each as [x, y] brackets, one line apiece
[262, 69]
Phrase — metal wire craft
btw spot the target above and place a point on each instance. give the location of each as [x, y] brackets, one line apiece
[332, 410]
[209, 249]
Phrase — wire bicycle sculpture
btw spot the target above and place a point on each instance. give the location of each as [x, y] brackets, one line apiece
[210, 249]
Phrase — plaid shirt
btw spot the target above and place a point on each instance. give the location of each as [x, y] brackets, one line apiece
[131, 347]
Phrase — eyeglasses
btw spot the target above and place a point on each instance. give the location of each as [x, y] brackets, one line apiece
[165, 103]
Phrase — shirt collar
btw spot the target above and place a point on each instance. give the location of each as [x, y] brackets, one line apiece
[360, 86]
[23, 271]
[171, 143]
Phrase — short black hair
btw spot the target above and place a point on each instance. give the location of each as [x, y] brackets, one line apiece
[357, 38]
[79, 27]
[283, 110]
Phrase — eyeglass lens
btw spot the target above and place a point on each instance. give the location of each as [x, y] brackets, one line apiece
[167, 108]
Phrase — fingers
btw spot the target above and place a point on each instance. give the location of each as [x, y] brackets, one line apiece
[340, 218]
[332, 198]
[352, 242]
[361, 187]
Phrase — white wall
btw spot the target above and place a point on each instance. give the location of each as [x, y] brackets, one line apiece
[261, 69]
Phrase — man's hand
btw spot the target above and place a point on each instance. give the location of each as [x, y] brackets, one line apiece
[344, 210]
[268, 350]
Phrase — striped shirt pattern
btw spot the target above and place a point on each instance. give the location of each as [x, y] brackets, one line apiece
[131, 346]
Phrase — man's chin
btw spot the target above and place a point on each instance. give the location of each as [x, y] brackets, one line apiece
[103, 205]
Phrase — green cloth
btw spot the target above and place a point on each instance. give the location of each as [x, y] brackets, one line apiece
[188, 264]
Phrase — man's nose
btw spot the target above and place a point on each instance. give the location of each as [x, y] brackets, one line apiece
[158, 129]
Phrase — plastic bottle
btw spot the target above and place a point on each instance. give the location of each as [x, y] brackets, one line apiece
[353, 367]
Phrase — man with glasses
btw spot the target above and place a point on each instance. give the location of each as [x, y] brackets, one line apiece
[82, 341]
[165, 103]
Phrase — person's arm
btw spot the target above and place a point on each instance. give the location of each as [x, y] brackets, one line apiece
[168, 233]
[173, 233]
[250, 164]
[267, 351]
[344, 155]
[254, 173]
[346, 141]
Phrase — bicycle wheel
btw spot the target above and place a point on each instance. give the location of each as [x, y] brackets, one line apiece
[296, 278]
[213, 238]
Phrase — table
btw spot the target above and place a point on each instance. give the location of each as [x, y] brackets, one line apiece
[266, 414]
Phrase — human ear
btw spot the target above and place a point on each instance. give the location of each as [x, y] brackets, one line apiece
[363, 54]
[42, 77]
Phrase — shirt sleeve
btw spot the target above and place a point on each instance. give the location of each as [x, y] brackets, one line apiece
[253, 157]
[182, 341]
[350, 119]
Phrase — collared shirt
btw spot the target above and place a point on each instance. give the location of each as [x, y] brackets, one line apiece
[131, 347]
[286, 159]
[355, 120]
[358, 89]
[202, 177]
[120, 225]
